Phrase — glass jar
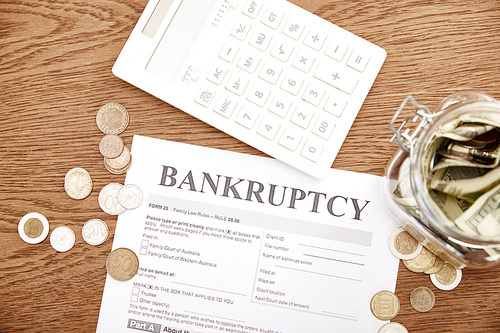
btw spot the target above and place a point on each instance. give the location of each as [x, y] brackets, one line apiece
[439, 186]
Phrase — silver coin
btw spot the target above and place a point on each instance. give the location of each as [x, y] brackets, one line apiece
[62, 239]
[33, 228]
[108, 199]
[77, 183]
[130, 196]
[95, 232]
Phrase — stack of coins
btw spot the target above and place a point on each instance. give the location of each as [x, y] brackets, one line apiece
[419, 259]
[112, 119]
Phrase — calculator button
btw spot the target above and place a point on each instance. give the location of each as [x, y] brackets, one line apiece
[315, 39]
[280, 105]
[336, 50]
[314, 94]
[292, 82]
[225, 106]
[272, 18]
[237, 83]
[259, 94]
[270, 72]
[247, 117]
[293, 29]
[205, 96]
[282, 50]
[229, 51]
[304, 60]
[249, 61]
[291, 138]
[302, 116]
[337, 75]
[240, 30]
[324, 126]
[269, 127]
[261, 39]
[252, 8]
[312, 150]
[335, 104]
[217, 74]
[358, 60]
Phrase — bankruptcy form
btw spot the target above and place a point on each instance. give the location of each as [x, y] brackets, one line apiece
[230, 242]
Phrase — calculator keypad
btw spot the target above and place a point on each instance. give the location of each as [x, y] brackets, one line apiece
[286, 80]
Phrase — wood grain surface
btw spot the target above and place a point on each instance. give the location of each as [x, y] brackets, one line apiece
[55, 73]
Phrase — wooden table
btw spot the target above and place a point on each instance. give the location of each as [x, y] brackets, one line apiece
[55, 66]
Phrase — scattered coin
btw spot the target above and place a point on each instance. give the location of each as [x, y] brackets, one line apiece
[447, 278]
[121, 164]
[122, 264]
[112, 118]
[95, 232]
[62, 239]
[438, 264]
[130, 196]
[393, 328]
[108, 199]
[403, 245]
[111, 146]
[422, 299]
[77, 183]
[33, 228]
[385, 305]
[424, 261]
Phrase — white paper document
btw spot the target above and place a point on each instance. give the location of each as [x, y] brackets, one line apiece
[230, 242]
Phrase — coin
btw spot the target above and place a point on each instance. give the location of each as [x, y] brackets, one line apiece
[438, 264]
[424, 261]
[393, 328]
[62, 239]
[95, 232]
[111, 146]
[120, 162]
[403, 245]
[77, 183]
[130, 196]
[122, 264]
[117, 171]
[422, 299]
[108, 199]
[33, 228]
[112, 118]
[447, 278]
[385, 305]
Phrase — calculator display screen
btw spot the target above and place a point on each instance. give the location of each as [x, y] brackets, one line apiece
[178, 37]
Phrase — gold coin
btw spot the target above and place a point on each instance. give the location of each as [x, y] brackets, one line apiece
[447, 278]
[403, 245]
[422, 299]
[438, 264]
[111, 146]
[393, 327]
[424, 261]
[385, 305]
[112, 118]
[122, 264]
[33, 227]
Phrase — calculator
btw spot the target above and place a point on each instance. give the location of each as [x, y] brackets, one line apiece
[268, 73]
